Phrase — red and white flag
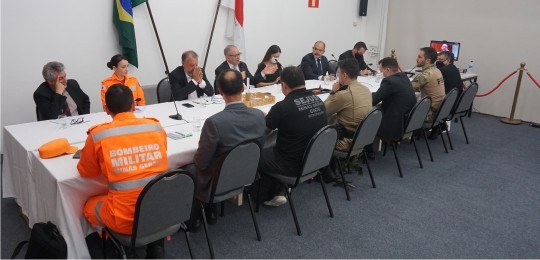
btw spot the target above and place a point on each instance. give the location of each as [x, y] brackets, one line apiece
[235, 23]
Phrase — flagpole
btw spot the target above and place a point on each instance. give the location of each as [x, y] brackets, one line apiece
[157, 36]
[211, 34]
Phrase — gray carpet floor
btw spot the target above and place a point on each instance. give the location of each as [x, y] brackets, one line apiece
[480, 200]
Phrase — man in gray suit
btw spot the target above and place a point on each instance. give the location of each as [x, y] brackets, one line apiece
[224, 131]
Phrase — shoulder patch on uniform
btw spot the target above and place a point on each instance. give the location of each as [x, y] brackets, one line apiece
[92, 128]
[153, 119]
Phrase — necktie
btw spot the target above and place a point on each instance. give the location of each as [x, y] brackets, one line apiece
[319, 67]
[66, 109]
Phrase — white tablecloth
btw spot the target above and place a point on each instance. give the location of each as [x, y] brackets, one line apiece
[52, 190]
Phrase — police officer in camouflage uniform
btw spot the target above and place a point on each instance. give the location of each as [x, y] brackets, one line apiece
[430, 81]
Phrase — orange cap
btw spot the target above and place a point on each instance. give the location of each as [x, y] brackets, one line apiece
[55, 148]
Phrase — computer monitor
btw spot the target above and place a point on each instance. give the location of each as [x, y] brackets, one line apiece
[453, 47]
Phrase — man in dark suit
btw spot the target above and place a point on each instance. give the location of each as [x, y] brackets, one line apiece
[397, 97]
[58, 95]
[224, 131]
[358, 53]
[450, 73]
[189, 80]
[232, 61]
[315, 65]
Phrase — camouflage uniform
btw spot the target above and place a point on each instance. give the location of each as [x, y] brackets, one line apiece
[430, 83]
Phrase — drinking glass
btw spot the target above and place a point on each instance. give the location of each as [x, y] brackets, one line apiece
[196, 123]
[63, 121]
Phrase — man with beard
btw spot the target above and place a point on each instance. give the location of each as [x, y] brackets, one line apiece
[358, 53]
[430, 83]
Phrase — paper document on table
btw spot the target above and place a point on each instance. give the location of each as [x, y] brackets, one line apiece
[179, 131]
[140, 109]
[218, 99]
[201, 101]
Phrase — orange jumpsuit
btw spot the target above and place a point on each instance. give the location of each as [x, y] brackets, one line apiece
[128, 81]
[130, 152]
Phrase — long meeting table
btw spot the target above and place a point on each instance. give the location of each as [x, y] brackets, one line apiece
[52, 190]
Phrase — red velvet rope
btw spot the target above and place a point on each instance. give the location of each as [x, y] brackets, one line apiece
[533, 79]
[493, 90]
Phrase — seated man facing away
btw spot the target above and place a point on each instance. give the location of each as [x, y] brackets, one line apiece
[430, 81]
[450, 73]
[297, 117]
[189, 80]
[59, 95]
[222, 132]
[232, 61]
[315, 65]
[126, 151]
[357, 53]
[397, 99]
[348, 102]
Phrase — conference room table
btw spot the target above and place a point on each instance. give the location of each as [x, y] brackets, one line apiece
[52, 190]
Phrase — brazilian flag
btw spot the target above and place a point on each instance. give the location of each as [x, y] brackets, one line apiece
[123, 20]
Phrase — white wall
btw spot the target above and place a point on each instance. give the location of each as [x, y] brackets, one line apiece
[81, 35]
[497, 34]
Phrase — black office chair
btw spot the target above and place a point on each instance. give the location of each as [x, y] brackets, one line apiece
[317, 156]
[415, 121]
[164, 92]
[39, 116]
[238, 170]
[464, 106]
[333, 65]
[364, 135]
[161, 210]
[443, 114]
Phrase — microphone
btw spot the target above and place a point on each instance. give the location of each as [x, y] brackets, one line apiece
[177, 116]
[334, 57]
[410, 72]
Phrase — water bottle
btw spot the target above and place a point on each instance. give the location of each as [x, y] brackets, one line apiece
[326, 79]
[470, 67]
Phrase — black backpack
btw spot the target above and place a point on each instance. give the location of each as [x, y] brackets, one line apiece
[45, 242]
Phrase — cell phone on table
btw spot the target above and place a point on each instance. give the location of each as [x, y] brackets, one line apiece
[77, 154]
[187, 105]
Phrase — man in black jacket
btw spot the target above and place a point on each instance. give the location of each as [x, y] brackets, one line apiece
[357, 53]
[397, 97]
[232, 61]
[450, 73]
[59, 95]
[189, 80]
[314, 65]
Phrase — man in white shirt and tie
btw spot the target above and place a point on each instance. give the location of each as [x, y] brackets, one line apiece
[189, 80]
[232, 61]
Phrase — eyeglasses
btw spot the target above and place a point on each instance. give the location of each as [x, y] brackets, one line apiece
[77, 121]
[234, 55]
